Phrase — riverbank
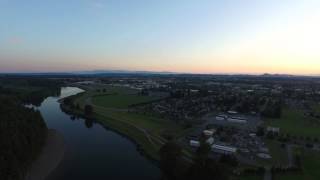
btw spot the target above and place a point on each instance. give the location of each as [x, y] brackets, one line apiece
[137, 136]
[50, 157]
[147, 131]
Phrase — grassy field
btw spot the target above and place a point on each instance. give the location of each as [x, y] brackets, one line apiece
[134, 134]
[294, 123]
[310, 163]
[290, 176]
[153, 125]
[246, 177]
[317, 108]
[252, 177]
[119, 100]
[146, 130]
[279, 154]
[108, 89]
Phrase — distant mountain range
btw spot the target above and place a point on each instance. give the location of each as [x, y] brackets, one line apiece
[121, 72]
[91, 73]
[128, 72]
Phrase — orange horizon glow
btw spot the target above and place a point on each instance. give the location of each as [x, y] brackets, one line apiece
[211, 37]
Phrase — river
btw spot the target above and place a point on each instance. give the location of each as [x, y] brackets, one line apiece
[93, 152]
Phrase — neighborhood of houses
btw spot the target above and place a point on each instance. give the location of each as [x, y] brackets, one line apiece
[232, 134]
[223, 112]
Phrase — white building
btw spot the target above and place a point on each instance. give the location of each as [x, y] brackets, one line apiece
[223, 149]
[232, 112]
[208, 133]
[210, 141]
[237, 120]
[220, 118]
[194, 143]
[273, 129]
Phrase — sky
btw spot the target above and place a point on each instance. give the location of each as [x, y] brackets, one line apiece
[194, 36]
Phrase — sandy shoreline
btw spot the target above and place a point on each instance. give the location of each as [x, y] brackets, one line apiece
[50, 157]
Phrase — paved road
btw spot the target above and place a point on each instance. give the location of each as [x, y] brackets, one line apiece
[290, 155]
[267, 174]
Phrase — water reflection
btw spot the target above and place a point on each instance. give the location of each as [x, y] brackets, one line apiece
[88, 123]
[92, 151]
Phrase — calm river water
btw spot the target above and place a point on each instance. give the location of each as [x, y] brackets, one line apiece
[94, 152]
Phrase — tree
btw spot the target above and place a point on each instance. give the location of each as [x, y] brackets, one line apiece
[88, 110]
[229, 160]
[77, 106]
[204, 168]
[68, 101]
[260, 131]
[170, 155]
[272, 109]
[88, 122]
[297, 160]
[211, 171]
[23, 133]
[202, 153]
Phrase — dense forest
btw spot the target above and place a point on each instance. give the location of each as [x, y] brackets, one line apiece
[30, 90]
[22, 130]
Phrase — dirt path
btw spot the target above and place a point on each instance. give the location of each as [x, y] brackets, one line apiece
[151, 138]
[49, 159]
[144, 131]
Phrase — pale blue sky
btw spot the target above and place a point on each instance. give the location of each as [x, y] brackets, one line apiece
[168, 35]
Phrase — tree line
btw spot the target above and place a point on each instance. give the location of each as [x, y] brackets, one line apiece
[22, 135]
[23, 131]
[174, 166]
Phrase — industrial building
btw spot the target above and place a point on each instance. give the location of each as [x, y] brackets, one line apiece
[223, 149]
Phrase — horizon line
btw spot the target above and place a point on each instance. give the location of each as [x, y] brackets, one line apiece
[120, 71]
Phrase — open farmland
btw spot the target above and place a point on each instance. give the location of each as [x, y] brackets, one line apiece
[295, 123]
[278, 153]
[310, 165]
[120, 100]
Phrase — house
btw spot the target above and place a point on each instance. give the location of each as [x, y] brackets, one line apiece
[274, 130]
[210, 141]
[208, 133]
[220, 118]
[194, 143]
